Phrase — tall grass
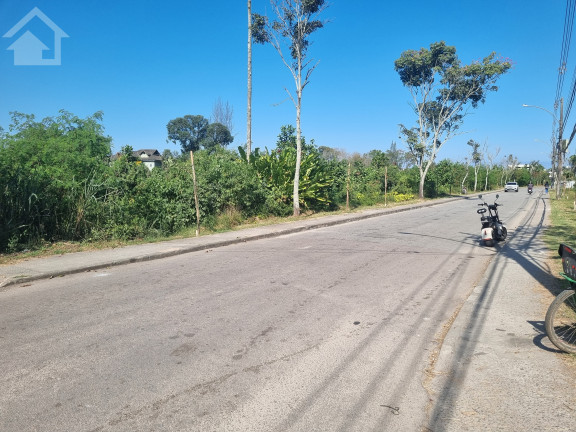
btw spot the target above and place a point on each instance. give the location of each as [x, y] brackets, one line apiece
[563, 221]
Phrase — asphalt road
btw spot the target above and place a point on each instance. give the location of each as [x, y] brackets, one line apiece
[326, 330]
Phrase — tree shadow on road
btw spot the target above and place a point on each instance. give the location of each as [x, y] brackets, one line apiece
[525, 248]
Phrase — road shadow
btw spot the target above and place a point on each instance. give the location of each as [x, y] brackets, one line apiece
[524, 248]
[541, 338]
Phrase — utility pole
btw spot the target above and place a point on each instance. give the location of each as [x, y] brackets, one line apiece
[249, 110]
[560, 150]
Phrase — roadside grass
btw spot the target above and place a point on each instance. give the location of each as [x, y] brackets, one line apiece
[563, 222]
[562, 229]
[230, 220]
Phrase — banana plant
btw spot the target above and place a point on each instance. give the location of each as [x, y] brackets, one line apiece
[276, 170]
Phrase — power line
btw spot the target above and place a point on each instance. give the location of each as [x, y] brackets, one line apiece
[566, 39]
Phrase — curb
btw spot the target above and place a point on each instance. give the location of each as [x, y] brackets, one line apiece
[336, 220]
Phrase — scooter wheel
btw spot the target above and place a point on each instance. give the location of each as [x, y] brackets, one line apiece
[489, 243]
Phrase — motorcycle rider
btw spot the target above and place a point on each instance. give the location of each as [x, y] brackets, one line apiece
[530, 186]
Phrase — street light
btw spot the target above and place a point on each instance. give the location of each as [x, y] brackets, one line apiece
[543, 109]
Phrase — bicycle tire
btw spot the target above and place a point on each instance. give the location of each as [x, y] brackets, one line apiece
[560, 321]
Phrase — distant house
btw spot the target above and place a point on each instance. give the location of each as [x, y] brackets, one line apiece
[150, 158]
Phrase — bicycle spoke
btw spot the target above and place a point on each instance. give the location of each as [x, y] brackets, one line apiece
[561, 321]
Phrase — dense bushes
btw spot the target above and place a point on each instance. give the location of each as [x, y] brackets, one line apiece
[58, 182]
[48, 168]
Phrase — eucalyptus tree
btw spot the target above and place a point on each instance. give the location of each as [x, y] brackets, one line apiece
[463, 185]
[476, 158]
[537, 171]
[490, 161]
[509, 165]
[442, 89]
[295, 22]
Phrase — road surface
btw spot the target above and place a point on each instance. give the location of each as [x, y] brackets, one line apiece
[332, 329]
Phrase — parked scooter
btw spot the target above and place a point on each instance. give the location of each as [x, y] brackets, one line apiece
[493, 228]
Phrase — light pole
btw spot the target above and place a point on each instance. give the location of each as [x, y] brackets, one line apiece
[557, 147]
[543, 109]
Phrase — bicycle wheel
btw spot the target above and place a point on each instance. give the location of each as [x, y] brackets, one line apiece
[561, 321]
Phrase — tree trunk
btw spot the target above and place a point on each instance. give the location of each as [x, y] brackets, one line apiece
[296, 196]
[475, 179]
[249, 109]
[421, 184]
[464, 181]
[423, 174]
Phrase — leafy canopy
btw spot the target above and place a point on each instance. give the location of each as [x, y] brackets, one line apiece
[287, 139]
[294, 23]
[188, 131]
[459, 83]
[441, 88]
[217, 135]
[194, 131]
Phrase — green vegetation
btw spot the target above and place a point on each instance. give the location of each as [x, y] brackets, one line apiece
[52, 175]
[562, 229]
[60, 183]
[291, 31]
[443, 91]
[563, 221]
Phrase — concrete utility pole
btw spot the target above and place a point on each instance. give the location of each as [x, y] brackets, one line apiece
[249, 108]
[560, 150]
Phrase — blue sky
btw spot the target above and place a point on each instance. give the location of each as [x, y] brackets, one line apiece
[144, 63]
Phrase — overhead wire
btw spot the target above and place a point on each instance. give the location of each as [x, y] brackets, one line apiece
[566, 39]
[565, 49]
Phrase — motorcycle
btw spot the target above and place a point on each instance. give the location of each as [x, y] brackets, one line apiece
[529, 190]
[493, 229]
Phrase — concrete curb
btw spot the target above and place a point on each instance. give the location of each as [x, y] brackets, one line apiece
[12, 274]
